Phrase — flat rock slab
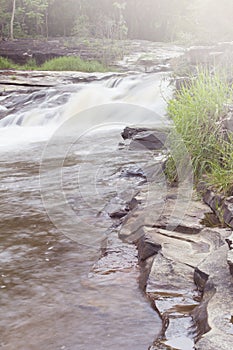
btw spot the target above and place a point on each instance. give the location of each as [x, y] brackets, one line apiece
[188, 280]
[13, 78]
[220, 305]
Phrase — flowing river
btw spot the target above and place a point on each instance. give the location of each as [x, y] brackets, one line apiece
[66, 280]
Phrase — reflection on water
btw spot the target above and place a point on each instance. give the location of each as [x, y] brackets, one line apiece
[56, 293]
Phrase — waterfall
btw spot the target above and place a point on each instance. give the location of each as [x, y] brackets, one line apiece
[36, 117]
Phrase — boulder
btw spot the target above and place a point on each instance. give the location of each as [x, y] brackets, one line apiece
[149, 140]
[129, 132]
[145, 139]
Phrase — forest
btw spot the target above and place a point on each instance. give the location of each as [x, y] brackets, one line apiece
[155, 20]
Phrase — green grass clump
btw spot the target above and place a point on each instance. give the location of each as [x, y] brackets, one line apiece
[30, 65]
[197, 111]
[72, 63]
[5, 63]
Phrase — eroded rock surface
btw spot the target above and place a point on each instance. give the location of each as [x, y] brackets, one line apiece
[223, 208]
[185, 273]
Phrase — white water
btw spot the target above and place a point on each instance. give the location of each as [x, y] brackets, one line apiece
[54, 297]
[34, 122]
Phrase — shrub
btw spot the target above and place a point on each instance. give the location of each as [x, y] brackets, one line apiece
[196, 112]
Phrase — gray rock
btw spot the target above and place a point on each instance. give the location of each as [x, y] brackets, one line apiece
[219, 306]
[185, 273]
[144, 139]
[230, 261]
[147, 248]
[149, 140]
[129, 132]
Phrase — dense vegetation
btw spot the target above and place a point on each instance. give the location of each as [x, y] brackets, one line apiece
[156, 20]
[56, 64]
[198, 111]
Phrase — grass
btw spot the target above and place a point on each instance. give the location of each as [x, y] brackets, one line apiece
[7, 64]
[71, 63]
[197, 112]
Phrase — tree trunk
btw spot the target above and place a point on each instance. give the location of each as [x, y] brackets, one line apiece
[12, 21]
[46, 24]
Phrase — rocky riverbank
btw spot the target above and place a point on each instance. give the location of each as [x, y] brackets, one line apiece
[184, 270]
[121, 55]
[183, 267]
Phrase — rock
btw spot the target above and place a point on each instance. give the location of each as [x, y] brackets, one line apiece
[118, 208]
[182, 269]
[144, 138]
[227, 211]
[18, 50]
[230, 261]
[147, 248]
[204, 54]
[229, 241]
[149, 140]
[3, 109]
[129, 132]
[3, 112]
[133, 171]
[221, 206]
[212, 200]
[219, 306]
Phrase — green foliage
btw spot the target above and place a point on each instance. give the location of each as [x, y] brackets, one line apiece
[30, 65]
[7, 64]
[82, 27]
[157, 20]
[221, 176]
[197, 111]
[72, 63]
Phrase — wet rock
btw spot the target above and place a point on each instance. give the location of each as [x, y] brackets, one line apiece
[133, 171]
[116, 257]
[147, 248]
[3, 112]
[179, 276]
[229, 241]
[200, 279]
[118, 208]
[144, 138]
[150, 140]
[219, 306]
[230, 261]
[129, 132]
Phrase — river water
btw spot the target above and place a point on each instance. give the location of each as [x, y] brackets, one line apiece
[66, 280]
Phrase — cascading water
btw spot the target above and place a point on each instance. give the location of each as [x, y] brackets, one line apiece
[59, 293]
[39, 116]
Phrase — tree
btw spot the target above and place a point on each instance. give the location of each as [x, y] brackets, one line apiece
[12, 20]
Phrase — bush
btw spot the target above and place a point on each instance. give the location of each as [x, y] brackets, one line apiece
[197, 111]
